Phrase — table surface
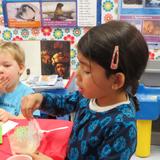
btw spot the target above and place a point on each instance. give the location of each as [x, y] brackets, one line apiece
[45, 124]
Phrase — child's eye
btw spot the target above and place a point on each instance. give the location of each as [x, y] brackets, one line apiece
[7, 65]
[87, 72]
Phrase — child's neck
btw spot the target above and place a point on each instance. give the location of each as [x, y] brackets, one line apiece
[111, 100]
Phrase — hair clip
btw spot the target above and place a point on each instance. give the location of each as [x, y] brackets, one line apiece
[115, 58]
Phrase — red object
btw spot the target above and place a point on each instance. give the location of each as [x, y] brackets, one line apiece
[53, 144]
[73, 75]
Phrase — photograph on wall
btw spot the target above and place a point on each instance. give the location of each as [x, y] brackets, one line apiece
[59, 13]
[154, 49]
[22, 14]
[151, 27]
[146, 17]
[132, 3]
[55, 58]
[152, 3]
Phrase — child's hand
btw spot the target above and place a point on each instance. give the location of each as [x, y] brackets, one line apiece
[4, 82]
[30, 103]
[4, 115]
[40, 156]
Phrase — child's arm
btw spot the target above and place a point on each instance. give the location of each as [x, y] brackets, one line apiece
[20, 116]
[50, 103]
[61, 104]
[5, 116]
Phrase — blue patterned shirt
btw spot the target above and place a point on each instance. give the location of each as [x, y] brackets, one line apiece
[108, 135]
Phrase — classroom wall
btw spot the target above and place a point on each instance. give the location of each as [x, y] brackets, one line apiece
[32, 55]
[28, 37]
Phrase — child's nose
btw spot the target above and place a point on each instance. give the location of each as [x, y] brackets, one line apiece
[1, 70]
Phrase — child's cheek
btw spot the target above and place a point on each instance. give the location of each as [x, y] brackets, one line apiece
[3, 77]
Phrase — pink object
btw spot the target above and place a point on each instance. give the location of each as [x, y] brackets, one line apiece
[115, 58]
[54, 142]
[20, 157]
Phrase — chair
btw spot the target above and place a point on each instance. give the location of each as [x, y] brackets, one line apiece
[149, 98]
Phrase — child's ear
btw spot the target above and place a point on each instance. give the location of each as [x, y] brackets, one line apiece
[118, 81]
[22, 67]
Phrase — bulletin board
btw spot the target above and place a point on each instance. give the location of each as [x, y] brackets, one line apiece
[109, 11]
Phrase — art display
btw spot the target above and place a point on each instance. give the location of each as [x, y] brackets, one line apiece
[55, 58]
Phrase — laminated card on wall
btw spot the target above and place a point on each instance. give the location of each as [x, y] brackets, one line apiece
[89, 13]
[145, 15]
[53, 13]
[20, 13]
[59, 13]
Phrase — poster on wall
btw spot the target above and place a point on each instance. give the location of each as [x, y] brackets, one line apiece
[55, 58]
[21, 13]
[53, 13]
[59, 13]
[144, 14]
[89, 12]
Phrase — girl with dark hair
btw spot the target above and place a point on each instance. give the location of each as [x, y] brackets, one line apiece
[112, 58]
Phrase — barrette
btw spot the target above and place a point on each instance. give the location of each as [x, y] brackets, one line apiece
[115, 58]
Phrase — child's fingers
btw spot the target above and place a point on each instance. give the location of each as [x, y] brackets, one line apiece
[30, 103]
[3, 78]
[40, 156]
[1, 86]
[26, 107]
[36, 156]
[4, 83]
[3, 116]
